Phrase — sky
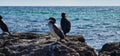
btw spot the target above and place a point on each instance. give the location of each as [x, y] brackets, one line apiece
[59, 2]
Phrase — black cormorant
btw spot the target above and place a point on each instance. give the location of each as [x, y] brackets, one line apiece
[65, 24]
[3, 26]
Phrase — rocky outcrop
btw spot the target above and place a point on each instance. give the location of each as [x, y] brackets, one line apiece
[30, 44]
[110, 49]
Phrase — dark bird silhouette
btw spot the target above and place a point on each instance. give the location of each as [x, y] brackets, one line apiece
[3, 26]
[55, 31]
[65, 24]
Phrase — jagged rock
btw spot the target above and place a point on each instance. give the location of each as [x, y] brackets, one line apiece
[110, 49]
[27, 35]
[76, 38]
[38, 45]
[65, 49]
[1, 54]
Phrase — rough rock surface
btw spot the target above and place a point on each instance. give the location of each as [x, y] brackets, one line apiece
[110, 49]
[30, 44]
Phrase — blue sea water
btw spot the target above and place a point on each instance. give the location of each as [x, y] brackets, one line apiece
[99, 25]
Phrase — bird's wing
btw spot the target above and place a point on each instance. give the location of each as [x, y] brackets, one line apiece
[65, 25]
[58, 32]
[58, 27]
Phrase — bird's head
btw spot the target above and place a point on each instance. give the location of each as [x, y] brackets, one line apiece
[63, 14]
[52, 20]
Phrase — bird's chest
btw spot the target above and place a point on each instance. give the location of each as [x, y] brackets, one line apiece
[50, 27]
[52, 30]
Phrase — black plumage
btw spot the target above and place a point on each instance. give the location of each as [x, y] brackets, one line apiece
[58, 32]
[65, 24]
[3, 26]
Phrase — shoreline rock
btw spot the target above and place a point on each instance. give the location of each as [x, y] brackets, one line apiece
[110, 49]
[30, 44]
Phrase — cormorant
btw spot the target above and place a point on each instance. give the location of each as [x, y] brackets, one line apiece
[65, 24]
[3, 26]
[55, 31]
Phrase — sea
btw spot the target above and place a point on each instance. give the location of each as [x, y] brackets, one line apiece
[98, 24]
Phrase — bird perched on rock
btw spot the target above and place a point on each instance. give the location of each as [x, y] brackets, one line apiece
[65, 24]
[55, 31]
[3, 26]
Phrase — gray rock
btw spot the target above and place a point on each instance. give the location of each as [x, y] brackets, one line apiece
[29, 44]
[1, 54]
[110, 49]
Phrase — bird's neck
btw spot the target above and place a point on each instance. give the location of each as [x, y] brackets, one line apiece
[51, 23]
[64, 17]
[1, 21]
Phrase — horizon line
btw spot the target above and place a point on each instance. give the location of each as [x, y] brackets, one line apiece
[61, 6]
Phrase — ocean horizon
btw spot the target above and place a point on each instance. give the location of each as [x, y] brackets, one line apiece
[98, 24]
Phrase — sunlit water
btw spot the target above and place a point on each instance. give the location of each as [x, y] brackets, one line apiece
[99, 25]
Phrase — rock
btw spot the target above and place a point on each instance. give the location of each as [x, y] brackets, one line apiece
[65, 49]
[30, 44]
[76, 38]
[1, 54]
[110, 49]
[28, 36]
